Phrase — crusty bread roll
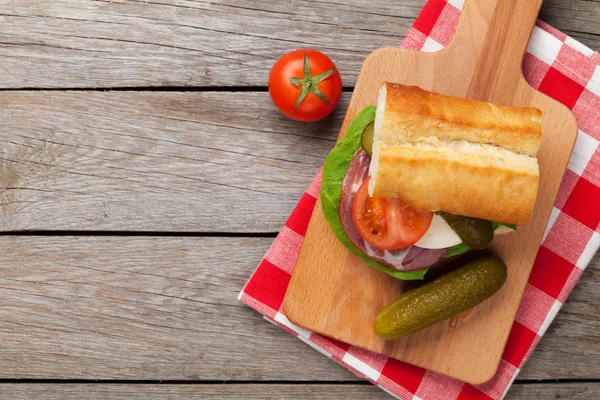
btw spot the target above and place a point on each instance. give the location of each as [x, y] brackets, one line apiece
[466, 157]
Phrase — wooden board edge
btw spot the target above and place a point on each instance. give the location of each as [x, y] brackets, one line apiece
[570, 136]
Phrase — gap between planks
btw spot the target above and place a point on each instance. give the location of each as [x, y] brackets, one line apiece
[354, 391]
[250, 382]
[215, 89]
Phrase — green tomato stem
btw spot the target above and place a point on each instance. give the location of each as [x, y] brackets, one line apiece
[309, 83]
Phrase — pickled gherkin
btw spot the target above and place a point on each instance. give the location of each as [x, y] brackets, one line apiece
[367, 138]
[448, 295]
[474, 232]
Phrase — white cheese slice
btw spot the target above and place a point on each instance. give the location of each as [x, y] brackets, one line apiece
[503, 229]
[439, 235]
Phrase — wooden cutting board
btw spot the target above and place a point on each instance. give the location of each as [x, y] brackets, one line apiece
[335, 294]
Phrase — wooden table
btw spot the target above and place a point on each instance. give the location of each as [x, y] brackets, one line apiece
[143, 175]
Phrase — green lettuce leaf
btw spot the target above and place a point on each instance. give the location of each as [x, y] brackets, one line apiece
[456, 250]
[334, 170]
[497, 225]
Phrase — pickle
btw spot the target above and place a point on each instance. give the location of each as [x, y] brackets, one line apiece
[448, 295]
[367, 138]
[474, 232]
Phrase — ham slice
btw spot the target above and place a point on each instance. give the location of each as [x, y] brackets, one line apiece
[407, 259]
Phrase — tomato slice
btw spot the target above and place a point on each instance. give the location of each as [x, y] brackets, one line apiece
[387, 223]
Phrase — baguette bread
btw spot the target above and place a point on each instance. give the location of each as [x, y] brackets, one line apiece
[466, 157]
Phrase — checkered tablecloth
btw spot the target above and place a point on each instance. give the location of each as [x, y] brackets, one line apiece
[558, 66]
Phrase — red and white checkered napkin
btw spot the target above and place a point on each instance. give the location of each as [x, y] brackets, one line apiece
[563, 69]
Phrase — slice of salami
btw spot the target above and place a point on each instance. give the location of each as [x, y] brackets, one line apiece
[407, 259]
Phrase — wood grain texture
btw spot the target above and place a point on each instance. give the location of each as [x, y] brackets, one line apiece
[166, 308]
[109, 43]
[116, 43]
[141, 308]
[153, 161]
[99, 391]
[324, 294]
[554, 390]
[191, 391]
[577, 18]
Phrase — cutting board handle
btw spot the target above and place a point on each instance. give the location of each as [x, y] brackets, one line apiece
[490, 41]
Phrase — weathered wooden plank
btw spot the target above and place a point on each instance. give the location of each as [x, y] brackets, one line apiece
[200, 391]
[75, 43]
[110, 43]
[556, 390]
[141, 308]
[579, 19]
[99, 391]
[165, 308]
[154, 161]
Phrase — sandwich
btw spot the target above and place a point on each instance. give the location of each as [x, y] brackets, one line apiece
[424, 176]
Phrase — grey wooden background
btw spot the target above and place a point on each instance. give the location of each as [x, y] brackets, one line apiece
[143, 175]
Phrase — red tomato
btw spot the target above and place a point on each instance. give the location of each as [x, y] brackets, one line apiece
[387, 223]
[305, 85]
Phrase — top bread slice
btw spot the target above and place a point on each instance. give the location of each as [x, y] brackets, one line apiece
[466, 157]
